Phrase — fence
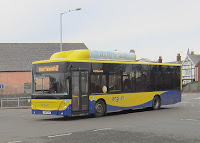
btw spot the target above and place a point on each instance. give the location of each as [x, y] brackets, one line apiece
[16, 102]
[192, 87]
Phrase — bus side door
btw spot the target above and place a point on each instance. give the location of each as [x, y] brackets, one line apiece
[80, 98]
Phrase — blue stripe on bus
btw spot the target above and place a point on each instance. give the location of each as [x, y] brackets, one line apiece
[92, 104]
[169, 97]
[114, 108]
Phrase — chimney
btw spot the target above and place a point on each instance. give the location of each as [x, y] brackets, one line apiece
[160, 59]
[178, 58]
[188, 52]
[192, 53]
[132, 51]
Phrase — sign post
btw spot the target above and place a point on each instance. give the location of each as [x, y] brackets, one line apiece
[1, 87]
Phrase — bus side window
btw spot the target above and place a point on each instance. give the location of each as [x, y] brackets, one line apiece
[127, 85]
[98, 81]
[129, 82]
[139, 81]
[114, 83]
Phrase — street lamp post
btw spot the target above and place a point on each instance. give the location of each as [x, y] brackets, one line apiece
[61, 25]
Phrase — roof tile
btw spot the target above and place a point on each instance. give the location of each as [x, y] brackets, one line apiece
[19, 56]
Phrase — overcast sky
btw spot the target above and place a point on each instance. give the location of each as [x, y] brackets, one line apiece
[152, 28]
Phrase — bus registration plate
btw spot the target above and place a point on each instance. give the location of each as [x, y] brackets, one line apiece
[47, 112]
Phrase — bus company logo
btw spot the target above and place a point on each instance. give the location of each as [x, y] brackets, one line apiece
[44, 105]
[112, 55]
[116, 56]
[49, 68]
[118, 98]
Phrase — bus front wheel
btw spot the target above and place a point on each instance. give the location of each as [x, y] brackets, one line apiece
[156, 103]
[100, 108]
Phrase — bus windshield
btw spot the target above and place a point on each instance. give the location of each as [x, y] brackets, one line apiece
[54, 83]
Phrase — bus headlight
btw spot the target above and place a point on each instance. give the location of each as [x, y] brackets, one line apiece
[64, 107]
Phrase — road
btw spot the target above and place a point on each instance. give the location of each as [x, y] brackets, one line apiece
[179, 123]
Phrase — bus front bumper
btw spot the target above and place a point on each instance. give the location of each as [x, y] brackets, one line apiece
[66, 112]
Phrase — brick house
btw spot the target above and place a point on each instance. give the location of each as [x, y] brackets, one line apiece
[197, 70]
[16, 63]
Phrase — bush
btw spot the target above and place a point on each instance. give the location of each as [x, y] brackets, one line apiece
[183, 85]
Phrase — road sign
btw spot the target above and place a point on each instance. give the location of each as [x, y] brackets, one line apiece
[2, 86]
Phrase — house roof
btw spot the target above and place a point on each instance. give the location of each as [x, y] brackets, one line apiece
[19, 56]
[145, 60]
[195, 59]
[175, 62]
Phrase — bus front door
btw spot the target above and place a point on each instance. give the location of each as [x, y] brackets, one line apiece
[80, 98]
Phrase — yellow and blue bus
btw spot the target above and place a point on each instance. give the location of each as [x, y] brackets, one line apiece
[82, 82]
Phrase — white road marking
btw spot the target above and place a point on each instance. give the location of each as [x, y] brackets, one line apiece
[102, 129]
[59, 135]
[185, 102]
[15, 142]
[189, 120]
[197, 98]
[126, 126]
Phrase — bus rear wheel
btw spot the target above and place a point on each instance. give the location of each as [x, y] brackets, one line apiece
[156, 103]
[100, 108]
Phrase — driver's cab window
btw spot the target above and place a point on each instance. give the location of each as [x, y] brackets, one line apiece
[53, 88]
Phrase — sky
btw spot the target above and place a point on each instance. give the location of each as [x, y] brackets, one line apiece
[152, 28]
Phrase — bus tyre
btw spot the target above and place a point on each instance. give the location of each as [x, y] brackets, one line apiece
[156, 103]
[99, 109]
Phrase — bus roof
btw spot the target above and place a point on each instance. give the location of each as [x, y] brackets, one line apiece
[94, 56]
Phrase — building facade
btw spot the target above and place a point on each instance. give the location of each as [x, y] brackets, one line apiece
[191, 68]
[16, 63]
